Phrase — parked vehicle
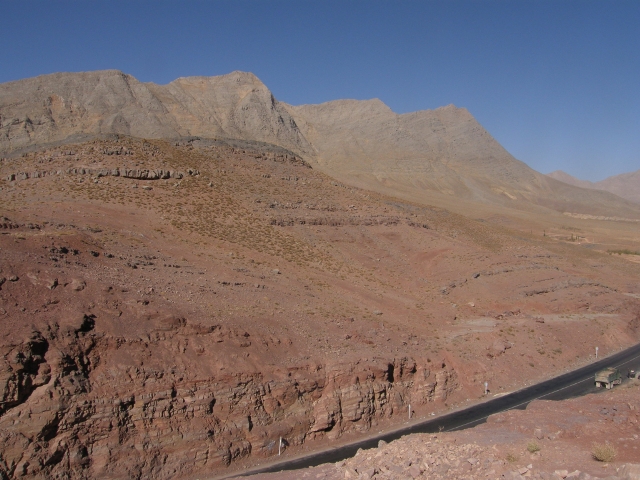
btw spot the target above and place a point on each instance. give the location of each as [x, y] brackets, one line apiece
[608, 378]
[633, 374]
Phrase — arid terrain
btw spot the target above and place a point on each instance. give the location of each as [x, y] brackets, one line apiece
[172, 307]
[441, 157]
[586, 438]
[625, 185]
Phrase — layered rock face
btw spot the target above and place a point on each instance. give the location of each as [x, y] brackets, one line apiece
[71, 406]
[128, 392]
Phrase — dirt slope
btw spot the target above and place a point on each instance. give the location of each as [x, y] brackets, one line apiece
[173, 308]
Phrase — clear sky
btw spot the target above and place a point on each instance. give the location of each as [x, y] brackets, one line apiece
[557, 83]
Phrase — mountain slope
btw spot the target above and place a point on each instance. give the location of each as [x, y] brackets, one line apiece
[442, 157]
[172, 309]
[625, 185]
[433, 148]
[571, 180]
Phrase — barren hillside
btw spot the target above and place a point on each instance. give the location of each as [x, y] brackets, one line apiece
[173, 308]
[440, 157]
[566, 178]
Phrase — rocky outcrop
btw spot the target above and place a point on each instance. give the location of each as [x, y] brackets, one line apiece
[335, 222]
[358, 396]
[62, 412]
[138, 174]
[24, 369]
[51, 108]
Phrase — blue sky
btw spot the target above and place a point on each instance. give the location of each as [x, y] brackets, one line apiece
[557, 83]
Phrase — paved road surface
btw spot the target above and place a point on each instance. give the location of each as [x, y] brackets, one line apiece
[569, 385]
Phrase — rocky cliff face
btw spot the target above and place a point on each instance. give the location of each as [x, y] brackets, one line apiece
[52, 108]
[73, 404]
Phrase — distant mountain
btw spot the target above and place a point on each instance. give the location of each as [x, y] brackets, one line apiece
[571, 180]
[441, 156]
[625, 185]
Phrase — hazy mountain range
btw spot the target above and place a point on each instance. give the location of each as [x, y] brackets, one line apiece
[625, 185]
[434, 156]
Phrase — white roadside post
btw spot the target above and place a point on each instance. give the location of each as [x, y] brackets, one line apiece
[596, 352]
[280, 446]
[409, 411]
[486, 387]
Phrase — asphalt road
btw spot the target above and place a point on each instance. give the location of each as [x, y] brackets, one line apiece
[571, 384]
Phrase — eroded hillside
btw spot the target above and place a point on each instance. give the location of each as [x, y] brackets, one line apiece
[171, 308]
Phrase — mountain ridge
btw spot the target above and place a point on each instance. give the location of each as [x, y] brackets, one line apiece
[625, 185]
[441, 156]
[185, 306]
[52, 107]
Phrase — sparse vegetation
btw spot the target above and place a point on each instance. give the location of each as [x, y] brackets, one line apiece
[603, 452]
[624, 251]
[533, 447]
[223, 215]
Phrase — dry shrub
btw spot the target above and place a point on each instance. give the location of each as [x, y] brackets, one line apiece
[603, 452]
[533, 447]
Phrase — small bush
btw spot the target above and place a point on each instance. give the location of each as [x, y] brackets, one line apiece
[603, 452]
[533, 447]
[625, 251]
[511, 458]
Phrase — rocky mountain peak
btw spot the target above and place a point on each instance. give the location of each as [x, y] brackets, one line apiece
[51, 108]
